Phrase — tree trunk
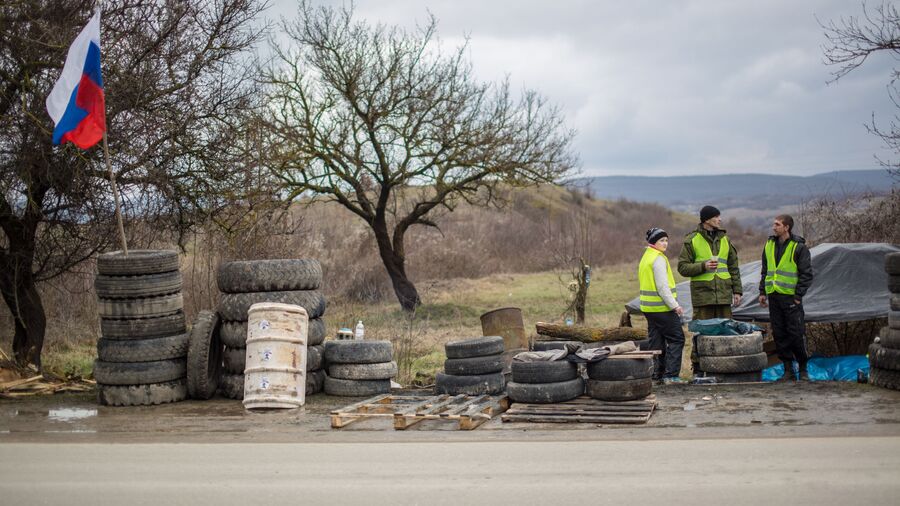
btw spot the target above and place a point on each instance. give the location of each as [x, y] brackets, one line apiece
[395, 263]
[584, 280]
[551, 331]
[21, 296]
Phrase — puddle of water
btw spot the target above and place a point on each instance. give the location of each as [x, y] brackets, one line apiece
[690, 406]
[70, 414]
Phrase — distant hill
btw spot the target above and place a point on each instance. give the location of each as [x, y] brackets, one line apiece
[748, 196]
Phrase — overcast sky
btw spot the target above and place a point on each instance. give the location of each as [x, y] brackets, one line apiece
[673, 87]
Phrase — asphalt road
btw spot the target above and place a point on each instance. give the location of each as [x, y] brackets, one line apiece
[838, 470]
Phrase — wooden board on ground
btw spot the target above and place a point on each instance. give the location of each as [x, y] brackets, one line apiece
[407, 410]
[583, 410]
[637, 354]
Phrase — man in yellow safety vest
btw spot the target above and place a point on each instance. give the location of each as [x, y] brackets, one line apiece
[785, 277]
[710, 259]
[659, 304]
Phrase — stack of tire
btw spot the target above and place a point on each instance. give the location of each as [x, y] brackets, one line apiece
[288, 281]
[473, 367]
[359, 368]
[732, 359]
[144, 343]
[617, 379]
[884, 353]
[543, 382]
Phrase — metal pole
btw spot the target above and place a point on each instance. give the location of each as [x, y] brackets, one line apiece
[112, 182]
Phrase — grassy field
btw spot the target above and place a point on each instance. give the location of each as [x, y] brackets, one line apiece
[451, 311]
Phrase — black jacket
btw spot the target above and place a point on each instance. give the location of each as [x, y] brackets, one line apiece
[801, 258]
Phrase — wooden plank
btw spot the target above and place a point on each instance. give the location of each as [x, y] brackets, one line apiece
[584, 410]
[469, 422]
[17, 383]
[635, 354]
[564, 412]
[465, 406]
[439, 406]
[486, 411]
[406, 419]
[581, 407]
[339, 421]
[639, 417]
[496, 406]
[572, 419]
[354, 407]
[588, 400]
[430, 401]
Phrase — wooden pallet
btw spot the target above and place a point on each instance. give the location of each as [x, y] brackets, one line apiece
[407, 410]
[583, 410]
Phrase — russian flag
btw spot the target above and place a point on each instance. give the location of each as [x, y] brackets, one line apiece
[77, 104]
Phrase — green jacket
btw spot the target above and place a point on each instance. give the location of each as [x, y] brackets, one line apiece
[716, 291]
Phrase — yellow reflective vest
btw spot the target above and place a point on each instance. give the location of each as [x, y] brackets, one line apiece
[703, 253]
[781, 278]
[651, 302]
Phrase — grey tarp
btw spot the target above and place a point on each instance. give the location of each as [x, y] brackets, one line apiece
[849, 285]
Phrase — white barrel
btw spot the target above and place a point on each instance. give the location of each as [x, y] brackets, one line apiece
[275, 370]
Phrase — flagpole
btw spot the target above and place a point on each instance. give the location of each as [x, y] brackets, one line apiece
[112, 182]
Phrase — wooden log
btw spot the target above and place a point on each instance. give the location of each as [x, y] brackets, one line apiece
[553, 332]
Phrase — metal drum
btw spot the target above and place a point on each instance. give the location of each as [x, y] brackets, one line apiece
[507, 323]
[275, 374]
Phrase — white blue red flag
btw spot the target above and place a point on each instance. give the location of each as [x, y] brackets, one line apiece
[77, 104]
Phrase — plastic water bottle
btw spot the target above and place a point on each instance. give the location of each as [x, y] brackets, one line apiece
[360, 331]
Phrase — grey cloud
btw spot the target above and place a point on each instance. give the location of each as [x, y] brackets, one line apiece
[673, 87]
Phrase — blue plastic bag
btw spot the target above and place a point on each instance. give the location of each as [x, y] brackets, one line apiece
[721, 327]
[842, 368]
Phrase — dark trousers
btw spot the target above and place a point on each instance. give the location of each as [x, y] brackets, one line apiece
[712, 311]
[664, 333]
[786, 319]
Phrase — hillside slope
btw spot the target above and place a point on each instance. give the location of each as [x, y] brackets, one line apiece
[734, 191]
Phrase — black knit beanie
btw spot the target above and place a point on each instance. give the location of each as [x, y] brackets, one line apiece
[655, 234]
[708, 212]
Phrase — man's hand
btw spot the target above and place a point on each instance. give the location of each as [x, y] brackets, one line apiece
[762, 301]
[710, 265]
[679, 311]
[798, 301]
[736, 299]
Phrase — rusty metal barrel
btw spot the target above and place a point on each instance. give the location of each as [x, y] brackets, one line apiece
[275, 370]
[506, 322]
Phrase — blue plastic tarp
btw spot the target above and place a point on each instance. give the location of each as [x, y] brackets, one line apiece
[842, 368]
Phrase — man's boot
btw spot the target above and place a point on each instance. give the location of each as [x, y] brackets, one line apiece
[804, 374]
[788, 372]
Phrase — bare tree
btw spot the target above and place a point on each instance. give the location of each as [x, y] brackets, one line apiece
[853, 218]
[571, 245]
[177, 92]
[851, 41]
[378, 119]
